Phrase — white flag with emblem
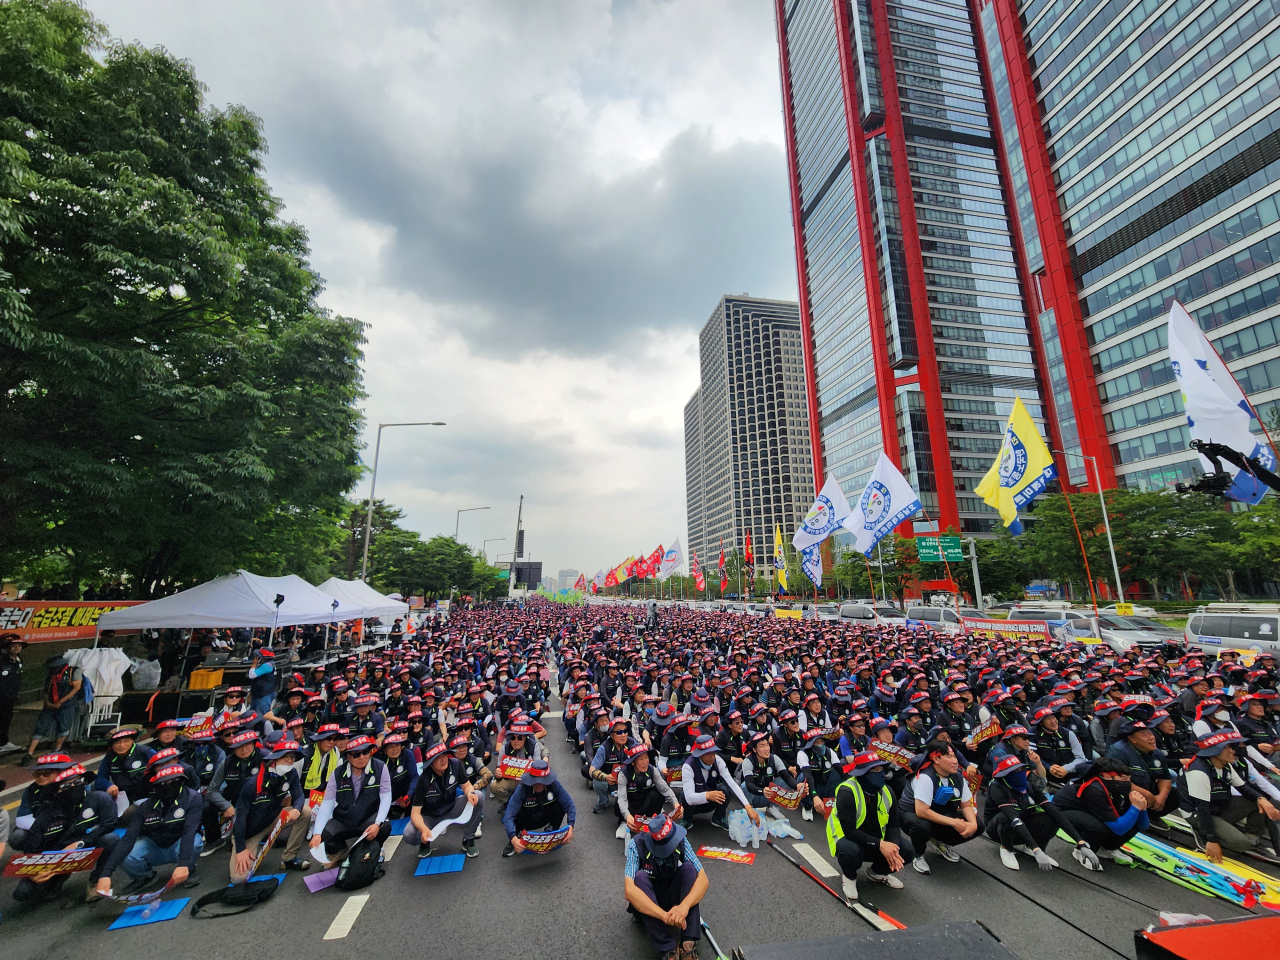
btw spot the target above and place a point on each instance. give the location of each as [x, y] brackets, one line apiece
[671, 561]
[599, 579]
[823, 517]
[886, 501]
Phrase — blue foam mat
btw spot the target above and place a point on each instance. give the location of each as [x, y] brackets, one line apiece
[430, 866]
[165, 910]
[397, 826]
[265, 876]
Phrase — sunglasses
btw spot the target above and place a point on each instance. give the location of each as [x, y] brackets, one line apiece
[360, 753]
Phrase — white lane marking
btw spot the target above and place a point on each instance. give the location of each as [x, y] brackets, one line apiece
[554, 714]
[390, 847]
[815, 858]
[346, 917]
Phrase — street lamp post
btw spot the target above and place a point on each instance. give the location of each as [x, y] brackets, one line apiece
[373, 485]
[1106, 522]
[484, 549]
[458, 519]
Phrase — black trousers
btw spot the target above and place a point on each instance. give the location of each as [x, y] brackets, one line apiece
[922, 831]
[1097, 833]
[6, 716]
[335, 832]
[851, 855]
[1040, 825]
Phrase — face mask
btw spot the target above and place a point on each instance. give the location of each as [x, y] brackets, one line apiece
[282, 768]
[1018, 781]
[1117, 788]
[873, 781]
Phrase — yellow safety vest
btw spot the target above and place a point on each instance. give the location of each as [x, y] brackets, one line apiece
[317, 776]
[835, 831]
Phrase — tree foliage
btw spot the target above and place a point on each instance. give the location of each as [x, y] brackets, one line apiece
[174, 401]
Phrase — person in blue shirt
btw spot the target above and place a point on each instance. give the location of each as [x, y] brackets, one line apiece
[263, 682]
[538, 803]
[664, 883]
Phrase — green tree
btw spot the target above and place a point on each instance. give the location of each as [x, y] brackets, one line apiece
[173, 395]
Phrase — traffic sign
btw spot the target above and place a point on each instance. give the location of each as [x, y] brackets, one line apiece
[1124, 609]
[937, 549]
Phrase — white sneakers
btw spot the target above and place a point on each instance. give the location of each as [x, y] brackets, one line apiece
[1009, 859]
[622, 831]
[888, 879]
[479, 829]
[9, 747]
[920, 865]
[850, 888]
[806, 814]
[1119, 856]
[948, 853]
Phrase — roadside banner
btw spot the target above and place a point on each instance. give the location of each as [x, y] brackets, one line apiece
[37, 621]
[1005, 629]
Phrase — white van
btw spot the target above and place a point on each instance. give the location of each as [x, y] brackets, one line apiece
[878, 615]
[1238, 626]
[941, 618]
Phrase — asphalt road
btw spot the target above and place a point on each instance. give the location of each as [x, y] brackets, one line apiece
[569, 904]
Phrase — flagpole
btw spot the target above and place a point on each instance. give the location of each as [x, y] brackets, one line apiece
[1083, 555]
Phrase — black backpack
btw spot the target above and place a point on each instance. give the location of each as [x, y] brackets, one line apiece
[236, 899]
[362, 866]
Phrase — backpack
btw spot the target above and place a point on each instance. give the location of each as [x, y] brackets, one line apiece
[237, 898]
[361, 866]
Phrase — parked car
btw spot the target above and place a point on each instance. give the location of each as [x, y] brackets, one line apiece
[941, 618]
[1138, 610]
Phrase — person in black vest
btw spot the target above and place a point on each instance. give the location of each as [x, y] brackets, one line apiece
[608, 760]
[274, 790]
[402, 767]
[936, 807]
[642, 791]
[1104, 808]
[165, 829]
[664, 883]
[124, 769]
[1059, 748]
[761, 772]
[228, 778]
[357, 800]
[368, 720]
[1148, 766]
[442, 794]
[1222, 801]
[463, 747]
[706, 780]
[11, 645]
[538, 803]
[820, 771]
[70, 816]
[1022, 818]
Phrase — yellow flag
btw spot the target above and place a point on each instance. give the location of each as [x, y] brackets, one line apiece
[1022, 470]
[779, 558]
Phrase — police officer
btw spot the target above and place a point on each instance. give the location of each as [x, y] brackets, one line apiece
[539, 803]
[164, 829]
[437, 798]
[357, 800]
[273, 791]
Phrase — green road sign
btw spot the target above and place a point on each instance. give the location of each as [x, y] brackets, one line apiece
[937, 549]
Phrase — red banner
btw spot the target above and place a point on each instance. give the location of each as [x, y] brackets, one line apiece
[54, 862]
[727, 854]
[787, 799]
[544, 842]
[989, 729]
[41, 620]
[512, 768]
[894, 753]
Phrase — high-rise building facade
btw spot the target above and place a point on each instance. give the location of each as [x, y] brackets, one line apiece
[994, 199]
[748, 462]
[1156, 125]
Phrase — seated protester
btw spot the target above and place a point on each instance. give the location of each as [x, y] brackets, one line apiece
[290, 704]
[706, 778]
[172, 755]
[167, 734]
[673, 750]
[664, 885]
[320, 758]
[863, 828]
[402, 767]
[540, 803]
[911, 733]
[519, 744]
[788, 740]
[594, 734]
[238, 766]
[608, 760]
[124, 770]
[854, 740]
[356, 802]
[275, 790]
[937, 807]
[341, 707]
[761, 772]
[165, 829]
[732, 740]
[1104, 808]
[70, 816]
[474, 771]
[437, 798]
[1059, 748]
[895, 777]
[1148, 766]
[421, 735]
[642, 791]
[1016, 741]
[1174, 739]
[368, 720]
[35, 797]
[1021, 816]
[821, 771]
[1221, 801]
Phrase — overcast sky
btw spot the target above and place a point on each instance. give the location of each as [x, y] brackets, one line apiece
[535, 207]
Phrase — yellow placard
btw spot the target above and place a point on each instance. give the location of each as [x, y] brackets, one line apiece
[792, 614]
[1124, 609]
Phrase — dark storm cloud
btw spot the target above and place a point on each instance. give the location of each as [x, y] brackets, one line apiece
[580, 271]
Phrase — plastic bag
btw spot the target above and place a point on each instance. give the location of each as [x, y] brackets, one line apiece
[146, 673]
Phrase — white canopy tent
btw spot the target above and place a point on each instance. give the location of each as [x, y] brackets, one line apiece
[242, 599]
[357, 593]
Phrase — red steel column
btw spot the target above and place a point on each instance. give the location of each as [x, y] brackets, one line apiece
[1058, 283]
[802, 271]
[931, 387]
[885, 389]
[1030, 296]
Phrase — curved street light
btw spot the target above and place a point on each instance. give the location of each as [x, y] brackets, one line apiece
[373, 485]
